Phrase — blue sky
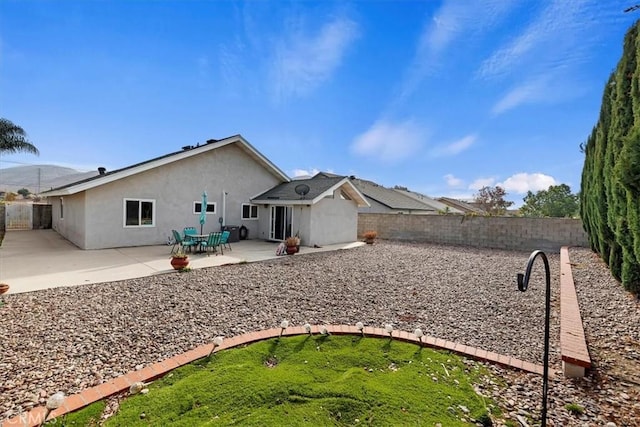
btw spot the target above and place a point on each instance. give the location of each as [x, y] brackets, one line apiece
[440, 96]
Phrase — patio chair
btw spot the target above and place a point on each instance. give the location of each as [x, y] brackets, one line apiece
[225, 239]
[213, 242]
[189, 231]
[179, 241]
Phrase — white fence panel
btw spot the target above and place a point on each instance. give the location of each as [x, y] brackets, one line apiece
[19, 216]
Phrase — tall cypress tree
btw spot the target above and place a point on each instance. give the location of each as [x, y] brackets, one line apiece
[610, 205]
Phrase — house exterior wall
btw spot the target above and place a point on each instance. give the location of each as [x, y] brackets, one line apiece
[174, 187]
[511, 233]
[302, 215]
[72, 226]
[260, 229]
[333, 220]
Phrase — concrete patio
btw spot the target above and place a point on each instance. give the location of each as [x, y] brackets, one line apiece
[39, 259]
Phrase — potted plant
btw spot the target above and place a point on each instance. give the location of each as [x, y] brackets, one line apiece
[179, 260]
[293, 244]
[370, 236]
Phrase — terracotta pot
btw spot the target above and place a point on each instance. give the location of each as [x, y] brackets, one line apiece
[179, 263]
[3, 288]
[291, 250]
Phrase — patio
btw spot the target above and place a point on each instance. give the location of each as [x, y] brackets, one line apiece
[41, 259]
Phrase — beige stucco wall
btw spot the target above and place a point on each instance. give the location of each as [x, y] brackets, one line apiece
[72, 226]
[333, 220]
[260, 229]
[174, 187]
[302, 215]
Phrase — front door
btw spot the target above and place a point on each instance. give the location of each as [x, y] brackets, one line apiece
[281, 219]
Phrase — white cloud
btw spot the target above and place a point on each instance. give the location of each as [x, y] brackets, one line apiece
[522, 94]
[302, 62]
[546, 89]
[452, 181]
[551, 37]
[304, 172]
[308, 173]
[520, 183]
[454, 20]
[482, 182]
[557, 37]
[465, 197]
[389, 142]
[455, 147]
[547, 56]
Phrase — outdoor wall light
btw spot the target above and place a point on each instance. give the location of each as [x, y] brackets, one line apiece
[389, 328]
[418, 333]
[54, 402]
[217, 342]
[283, 325]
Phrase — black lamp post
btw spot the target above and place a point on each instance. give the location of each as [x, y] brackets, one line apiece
[523, 284]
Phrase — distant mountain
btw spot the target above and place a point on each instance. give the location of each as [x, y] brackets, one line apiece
[39, 178]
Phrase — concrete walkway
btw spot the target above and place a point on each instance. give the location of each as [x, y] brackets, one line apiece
[40, 259]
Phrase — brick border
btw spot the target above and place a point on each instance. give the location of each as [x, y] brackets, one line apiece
[573, 344]
[156, 370]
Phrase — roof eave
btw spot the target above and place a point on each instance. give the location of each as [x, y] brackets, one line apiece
[351, 190]
[255, 154]
[282, 202]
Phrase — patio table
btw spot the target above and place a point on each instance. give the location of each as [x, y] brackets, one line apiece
[199, 238]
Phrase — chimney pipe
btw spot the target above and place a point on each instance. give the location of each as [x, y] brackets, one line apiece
[102, 170]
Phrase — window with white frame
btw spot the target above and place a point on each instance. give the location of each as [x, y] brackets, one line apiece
[249, 211]
[197, 208]
[139, 213]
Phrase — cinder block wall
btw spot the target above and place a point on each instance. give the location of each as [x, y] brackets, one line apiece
[513, 233]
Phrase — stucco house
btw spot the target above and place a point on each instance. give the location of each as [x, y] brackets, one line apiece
[140, 204]
[320, 210]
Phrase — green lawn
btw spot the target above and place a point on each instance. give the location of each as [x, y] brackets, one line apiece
[309, 380]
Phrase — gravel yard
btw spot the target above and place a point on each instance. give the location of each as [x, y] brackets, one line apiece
[72, 338]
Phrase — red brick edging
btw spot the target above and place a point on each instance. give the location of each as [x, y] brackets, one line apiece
[573, 344]
[122, 383]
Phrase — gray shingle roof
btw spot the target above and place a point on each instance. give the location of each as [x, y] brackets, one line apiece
[286, 191]
[390, 197]
[439, 206]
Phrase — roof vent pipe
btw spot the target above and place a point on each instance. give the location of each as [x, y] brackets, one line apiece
[102, 170]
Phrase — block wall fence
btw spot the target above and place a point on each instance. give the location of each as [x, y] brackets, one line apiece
[511, 233]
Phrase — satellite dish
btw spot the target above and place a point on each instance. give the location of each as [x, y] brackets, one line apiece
[302, 190]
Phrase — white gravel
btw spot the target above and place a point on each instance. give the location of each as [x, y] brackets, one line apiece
[72, 338]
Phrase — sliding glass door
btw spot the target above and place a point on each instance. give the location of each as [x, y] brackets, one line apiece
[281, 220]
